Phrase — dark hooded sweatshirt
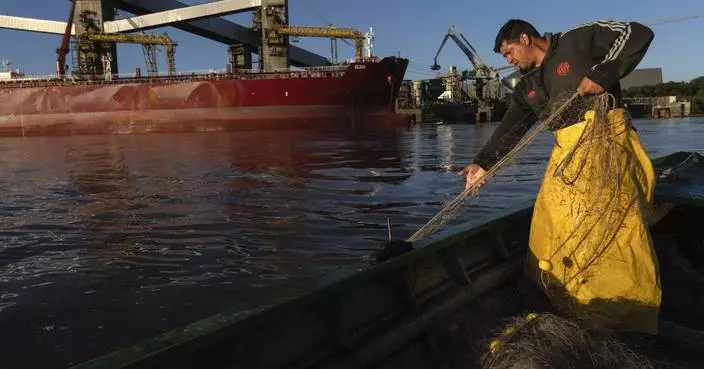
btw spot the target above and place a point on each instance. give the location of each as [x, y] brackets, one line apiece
[603, 51]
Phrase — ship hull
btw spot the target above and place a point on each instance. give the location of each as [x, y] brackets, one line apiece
[359, 94]
[198, 120]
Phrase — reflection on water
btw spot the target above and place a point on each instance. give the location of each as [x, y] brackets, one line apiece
[108, 240]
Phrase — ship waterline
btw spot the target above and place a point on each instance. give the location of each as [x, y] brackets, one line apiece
[197, 120]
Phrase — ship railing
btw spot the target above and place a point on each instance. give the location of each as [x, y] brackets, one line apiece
[324, 68]
[641, 100]
[195, 75]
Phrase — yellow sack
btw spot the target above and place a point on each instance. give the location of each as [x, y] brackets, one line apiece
[590, 246]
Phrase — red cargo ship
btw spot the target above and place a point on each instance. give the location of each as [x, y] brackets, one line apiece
[352, 94]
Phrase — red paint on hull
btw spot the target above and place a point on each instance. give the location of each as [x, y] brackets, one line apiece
[360, 93]
[200, 120]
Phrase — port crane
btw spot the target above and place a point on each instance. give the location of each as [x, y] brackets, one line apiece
[148, 49]
[331, 32]
[142, 39]
[482, 72]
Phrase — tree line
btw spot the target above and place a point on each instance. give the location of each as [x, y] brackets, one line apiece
[692, 91]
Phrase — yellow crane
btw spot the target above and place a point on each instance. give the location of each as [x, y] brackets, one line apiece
[144, 39]
[330, 32]
[149, 51]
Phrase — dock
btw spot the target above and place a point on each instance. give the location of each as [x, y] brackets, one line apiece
[658, 107]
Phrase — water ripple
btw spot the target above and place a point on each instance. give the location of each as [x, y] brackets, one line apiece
[154, 231]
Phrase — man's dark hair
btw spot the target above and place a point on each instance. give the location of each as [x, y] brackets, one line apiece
[511, 32]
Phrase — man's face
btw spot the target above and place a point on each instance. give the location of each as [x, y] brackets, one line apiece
[519, 54]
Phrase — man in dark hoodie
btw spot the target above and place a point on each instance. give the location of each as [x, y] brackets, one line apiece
[590, 247]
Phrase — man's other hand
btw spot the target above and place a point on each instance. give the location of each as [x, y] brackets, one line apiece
[474, 173]
[589, 87]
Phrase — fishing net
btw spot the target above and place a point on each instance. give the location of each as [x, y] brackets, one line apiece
[547, 341]
[603, 186]
[562, 111]
[585, 179]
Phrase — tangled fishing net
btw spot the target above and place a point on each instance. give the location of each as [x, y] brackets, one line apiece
[548, 341]
[586, 176]
[564, 110]
[603, 184]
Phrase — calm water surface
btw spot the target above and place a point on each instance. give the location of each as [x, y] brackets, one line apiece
[109, 240]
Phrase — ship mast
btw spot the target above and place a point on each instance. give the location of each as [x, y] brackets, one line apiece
[369, 43]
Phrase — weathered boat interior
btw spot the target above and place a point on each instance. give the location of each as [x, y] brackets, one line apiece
[440, 304]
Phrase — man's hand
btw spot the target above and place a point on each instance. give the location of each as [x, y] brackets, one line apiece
[589, 87]
[474, 174]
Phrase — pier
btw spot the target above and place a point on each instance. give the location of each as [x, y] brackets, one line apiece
[657, 107]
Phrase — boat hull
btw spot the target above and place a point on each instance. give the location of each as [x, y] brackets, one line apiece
[452, 113]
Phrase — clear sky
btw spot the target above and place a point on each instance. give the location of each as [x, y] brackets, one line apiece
[413, 29]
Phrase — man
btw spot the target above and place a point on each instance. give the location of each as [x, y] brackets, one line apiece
[590, 248]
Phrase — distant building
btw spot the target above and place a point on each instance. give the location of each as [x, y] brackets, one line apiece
[642, 77]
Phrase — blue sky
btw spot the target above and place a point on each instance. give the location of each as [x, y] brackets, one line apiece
[413, 30]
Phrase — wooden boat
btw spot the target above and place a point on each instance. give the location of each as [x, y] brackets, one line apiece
[428, 306]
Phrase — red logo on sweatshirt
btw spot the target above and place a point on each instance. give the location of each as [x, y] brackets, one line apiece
[531, 94]
[562, 69]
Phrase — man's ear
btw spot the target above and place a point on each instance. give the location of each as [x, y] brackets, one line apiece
[525, 39]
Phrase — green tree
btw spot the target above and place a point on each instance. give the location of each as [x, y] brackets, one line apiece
[698, 83]
[692, 91]
[694, 87]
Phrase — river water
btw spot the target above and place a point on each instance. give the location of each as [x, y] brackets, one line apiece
[106, 240]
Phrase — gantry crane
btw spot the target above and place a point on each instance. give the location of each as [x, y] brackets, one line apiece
[331, 32]
[145, 39]
[149, 51]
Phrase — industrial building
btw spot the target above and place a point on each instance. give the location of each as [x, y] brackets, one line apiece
[642, 77]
